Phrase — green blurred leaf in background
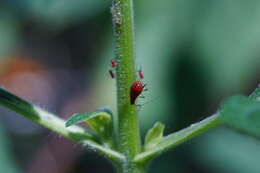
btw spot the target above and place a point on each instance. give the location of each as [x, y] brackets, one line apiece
[242, 113]
[7, 162]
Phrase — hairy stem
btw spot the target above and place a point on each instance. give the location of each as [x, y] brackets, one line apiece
[56, 124]
[128, 130]
[131, 167]
[174, 139]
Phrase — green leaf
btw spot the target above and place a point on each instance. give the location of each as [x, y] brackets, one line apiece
[100, 122]
[78, 118]
[154, 136]
[105, 109]
[172, 140]
[95, 120]
[256, 94]
[242, 113]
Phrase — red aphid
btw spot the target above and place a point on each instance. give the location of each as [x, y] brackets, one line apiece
[136, 89]
[140, 73]
[111, 74]
[113, 63]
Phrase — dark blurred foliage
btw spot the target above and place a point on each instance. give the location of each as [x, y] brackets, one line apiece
[193, 54]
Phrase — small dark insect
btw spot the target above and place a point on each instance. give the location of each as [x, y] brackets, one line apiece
[113, 63]
[111, 73]
[136, 89]
[140, 73]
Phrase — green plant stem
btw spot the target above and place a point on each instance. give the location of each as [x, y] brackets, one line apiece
[179, 137]
[135, 168]
[128, 129]
[56, 124]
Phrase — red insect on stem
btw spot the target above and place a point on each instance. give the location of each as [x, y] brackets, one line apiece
[136, 89]
[113, 63]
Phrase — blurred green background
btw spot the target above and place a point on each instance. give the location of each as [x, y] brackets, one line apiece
[56, 53]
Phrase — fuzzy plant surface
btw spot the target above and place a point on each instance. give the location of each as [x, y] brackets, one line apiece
[120, 141]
